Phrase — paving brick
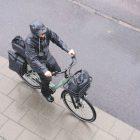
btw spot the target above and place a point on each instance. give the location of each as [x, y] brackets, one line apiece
[35, 101]
[15, 111]
[21, 92]
[5, 101]
[10, 73]
[57, 96]
[101, 135]
[135, 135]
[49, 132]
[98, 110]
[67, 121]
[27, 135]
[39, 125]
[6, 71]
[52, 111]
[30, 120]
[17, 78]
[3, 61]
[85, 131]
[121, 130]
[11, 130]
[3, 119]
[64, 135]
[6, 84]
[104, 120]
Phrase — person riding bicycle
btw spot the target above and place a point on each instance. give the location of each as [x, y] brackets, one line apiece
[39, 57]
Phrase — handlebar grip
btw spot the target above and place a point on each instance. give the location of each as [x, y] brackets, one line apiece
[54, 73]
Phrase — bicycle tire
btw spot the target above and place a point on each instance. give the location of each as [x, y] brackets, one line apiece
[27, 82]
[64, 93]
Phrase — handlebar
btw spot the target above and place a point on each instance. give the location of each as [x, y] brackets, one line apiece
[73, 58]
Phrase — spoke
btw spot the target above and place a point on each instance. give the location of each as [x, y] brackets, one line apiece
[69, 101]
[30, 80]
[84, 112]
[81, 112]
[31, 77]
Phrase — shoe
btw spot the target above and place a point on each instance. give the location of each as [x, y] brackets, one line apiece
[49, 98]
[51, 92]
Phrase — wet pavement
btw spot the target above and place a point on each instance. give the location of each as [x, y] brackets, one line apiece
[125, 10]
[110, 52]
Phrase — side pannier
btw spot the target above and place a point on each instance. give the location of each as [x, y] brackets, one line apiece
[16, 62]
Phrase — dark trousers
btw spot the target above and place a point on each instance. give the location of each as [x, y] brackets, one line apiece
[52, 66]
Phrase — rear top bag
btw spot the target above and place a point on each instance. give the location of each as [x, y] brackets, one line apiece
[18, 45]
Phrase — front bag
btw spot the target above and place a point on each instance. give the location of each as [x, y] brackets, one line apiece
[79, 83]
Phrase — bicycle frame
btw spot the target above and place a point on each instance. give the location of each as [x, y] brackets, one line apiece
[54, 87]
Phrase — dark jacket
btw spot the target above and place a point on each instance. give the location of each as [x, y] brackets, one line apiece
[37, 51]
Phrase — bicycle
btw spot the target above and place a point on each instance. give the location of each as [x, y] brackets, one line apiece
[78, 105]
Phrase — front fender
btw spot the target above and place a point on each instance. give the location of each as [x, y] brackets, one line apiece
[62, 94]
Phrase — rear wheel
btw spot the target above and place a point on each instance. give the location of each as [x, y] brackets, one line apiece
[81, 108]
[31, 78]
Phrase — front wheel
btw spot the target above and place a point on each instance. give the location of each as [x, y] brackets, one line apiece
[81, 108]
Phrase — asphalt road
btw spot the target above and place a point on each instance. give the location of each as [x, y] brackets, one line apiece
[110, 52]
[125, 10]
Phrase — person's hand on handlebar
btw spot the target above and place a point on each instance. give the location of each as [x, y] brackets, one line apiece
[71, 52]
[48, 73]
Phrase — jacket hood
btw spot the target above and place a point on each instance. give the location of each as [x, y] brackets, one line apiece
[37, 28]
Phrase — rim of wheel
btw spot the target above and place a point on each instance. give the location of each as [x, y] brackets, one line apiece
[85, 113]
[31, 78]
